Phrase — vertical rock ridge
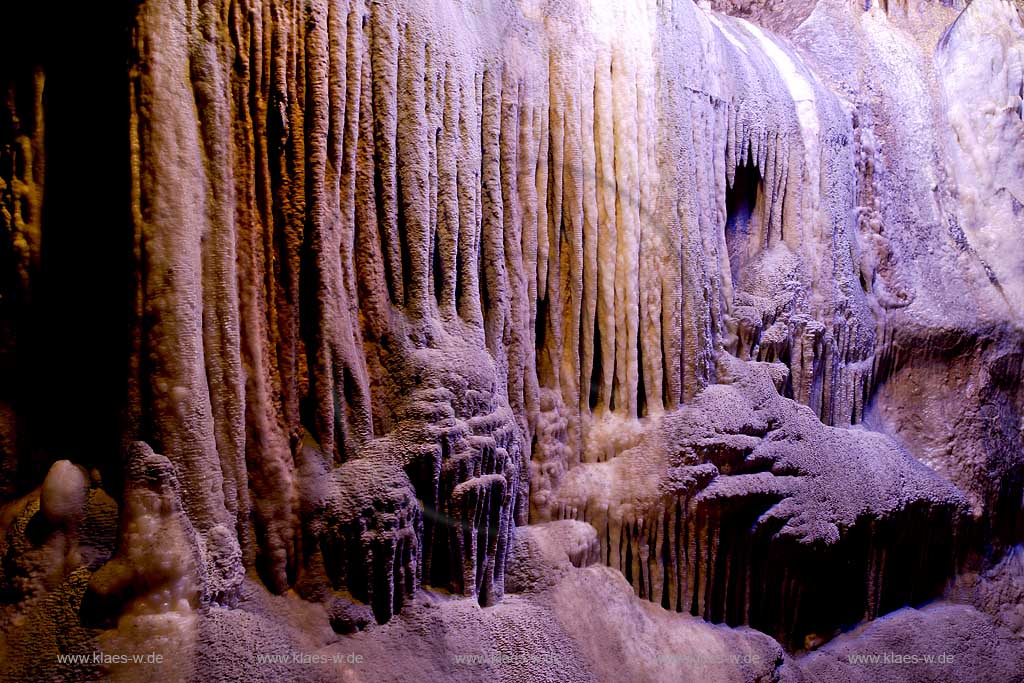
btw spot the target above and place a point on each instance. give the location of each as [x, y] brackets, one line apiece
[408, 275]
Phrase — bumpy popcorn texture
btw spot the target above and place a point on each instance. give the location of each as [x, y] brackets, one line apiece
[524, 340]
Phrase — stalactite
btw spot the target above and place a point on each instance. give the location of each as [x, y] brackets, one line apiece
[395, 294]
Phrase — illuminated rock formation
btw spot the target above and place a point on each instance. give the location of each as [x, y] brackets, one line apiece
[401, 316]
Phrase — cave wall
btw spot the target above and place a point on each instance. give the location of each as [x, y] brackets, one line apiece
[319, 255]
[371, 284]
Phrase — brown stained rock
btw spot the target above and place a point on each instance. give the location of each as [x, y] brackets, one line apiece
[733, 316]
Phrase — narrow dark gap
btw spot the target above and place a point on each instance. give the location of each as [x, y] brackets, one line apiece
[383, 237]
[440, 552]
[398, 591]
[666, 559]
[596, 372]
[864, 283]
[408, 575]
[717, 600]
[682, 548]
[641, 388]
[740, 573]
[785, 357]
[437, 270]
[333, 562]
[481, 88]
[741, 203]
[482, 532]
[541, 326]
[467, 535]
[404, 255]
[460, 257]
[423, 479]
[695, 567]
[607, 544]
[353, 402]
[643, 578]
[310, 318]
[382, 586]
[614, 393]
[629, 558]
[403, 237]
[485, 302]
[283, 221]
[666, 392]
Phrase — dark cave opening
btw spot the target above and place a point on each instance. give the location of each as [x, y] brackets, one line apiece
[71, 368]
[742, 203]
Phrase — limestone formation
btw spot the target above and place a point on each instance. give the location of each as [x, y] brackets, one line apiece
[535, 340]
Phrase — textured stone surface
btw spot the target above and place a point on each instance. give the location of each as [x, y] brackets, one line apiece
[589, 340]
